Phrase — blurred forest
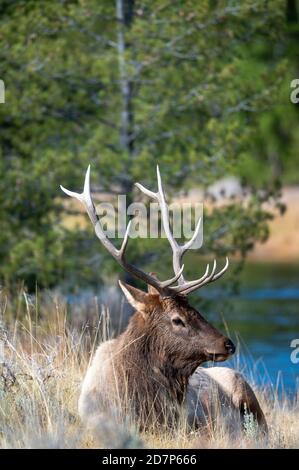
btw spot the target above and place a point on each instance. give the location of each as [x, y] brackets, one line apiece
[202, 88]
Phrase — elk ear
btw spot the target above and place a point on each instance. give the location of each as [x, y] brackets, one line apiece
[136, 297]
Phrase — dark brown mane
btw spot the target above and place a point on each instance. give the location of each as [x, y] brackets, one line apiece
[144, 370]
[153, 384]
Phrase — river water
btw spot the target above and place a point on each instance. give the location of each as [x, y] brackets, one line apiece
[263, 319]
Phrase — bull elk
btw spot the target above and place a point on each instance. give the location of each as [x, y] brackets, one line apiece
[152, 370]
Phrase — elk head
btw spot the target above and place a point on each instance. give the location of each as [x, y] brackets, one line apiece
[180, 335]
[176, 331]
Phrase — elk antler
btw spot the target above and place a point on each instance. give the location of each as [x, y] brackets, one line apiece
[118, 255]
[184, 287]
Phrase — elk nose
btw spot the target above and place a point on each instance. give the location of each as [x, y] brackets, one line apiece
[229, 346]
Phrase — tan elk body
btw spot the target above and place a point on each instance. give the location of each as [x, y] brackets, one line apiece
[152, 371]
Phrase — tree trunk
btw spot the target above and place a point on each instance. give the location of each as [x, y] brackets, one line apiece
[124, 14]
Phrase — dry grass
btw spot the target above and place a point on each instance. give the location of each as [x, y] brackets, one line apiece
[43, 357]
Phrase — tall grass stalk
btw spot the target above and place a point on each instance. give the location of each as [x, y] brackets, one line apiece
[46, 349]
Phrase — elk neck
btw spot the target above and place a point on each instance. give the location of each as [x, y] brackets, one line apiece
[145, 364]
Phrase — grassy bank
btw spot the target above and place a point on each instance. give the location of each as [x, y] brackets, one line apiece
[45, 351]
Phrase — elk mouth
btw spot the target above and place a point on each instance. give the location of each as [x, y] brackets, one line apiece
[214, 357]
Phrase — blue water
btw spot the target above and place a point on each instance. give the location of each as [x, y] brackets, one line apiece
[262, 319]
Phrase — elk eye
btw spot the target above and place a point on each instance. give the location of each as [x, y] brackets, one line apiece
[178, 321]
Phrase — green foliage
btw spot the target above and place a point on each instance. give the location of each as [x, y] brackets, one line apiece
[203, 99]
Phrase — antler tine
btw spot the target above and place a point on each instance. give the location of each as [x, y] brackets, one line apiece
[188, 284]
[208, 280]
[121, 253]
[177, 250]
[184, 287]
[118, 255]
[171, 281]
[205, 278]
[84, 197]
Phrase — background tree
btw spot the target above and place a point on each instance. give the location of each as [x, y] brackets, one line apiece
[125, 85]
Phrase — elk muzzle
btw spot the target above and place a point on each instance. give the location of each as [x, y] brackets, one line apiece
[220, 350]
